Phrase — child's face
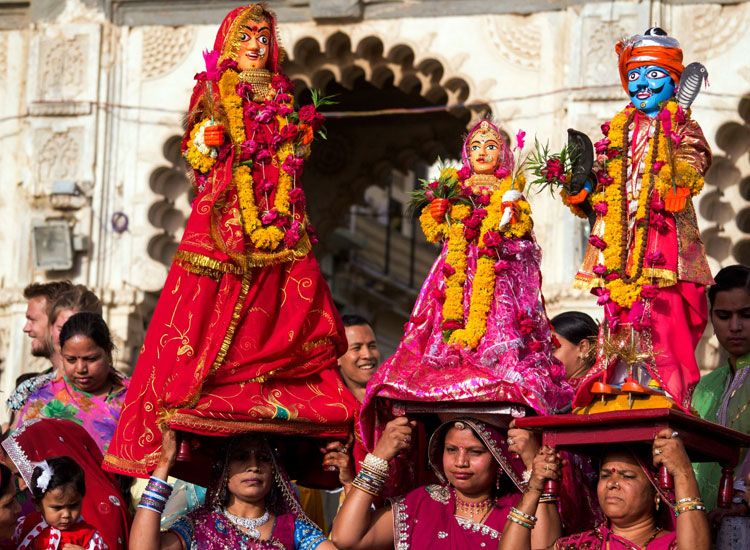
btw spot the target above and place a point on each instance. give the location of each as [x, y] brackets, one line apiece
[61, 507]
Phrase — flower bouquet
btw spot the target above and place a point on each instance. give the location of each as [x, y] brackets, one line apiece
[551, 170]
[439, 194]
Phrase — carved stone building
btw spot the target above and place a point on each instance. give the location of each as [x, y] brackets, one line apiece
[92, 95]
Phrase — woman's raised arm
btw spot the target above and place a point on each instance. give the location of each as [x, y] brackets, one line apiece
[145, 533]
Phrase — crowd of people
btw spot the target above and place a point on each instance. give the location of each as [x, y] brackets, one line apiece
[65, 416]
[258, 417]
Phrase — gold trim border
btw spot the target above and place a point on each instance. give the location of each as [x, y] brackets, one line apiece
[187, 421]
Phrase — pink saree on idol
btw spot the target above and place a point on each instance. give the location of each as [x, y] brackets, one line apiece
[478, 333]
[245, 335]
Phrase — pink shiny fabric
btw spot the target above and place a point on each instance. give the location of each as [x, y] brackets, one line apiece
[503, 367]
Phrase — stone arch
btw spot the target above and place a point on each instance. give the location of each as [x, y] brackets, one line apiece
[724, 208]
[427, 108]
[168, 214]
[725, 203]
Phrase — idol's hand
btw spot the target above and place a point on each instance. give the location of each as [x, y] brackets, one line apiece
[396, 438]
[524, 443]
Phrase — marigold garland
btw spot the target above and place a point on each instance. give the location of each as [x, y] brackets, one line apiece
[685, 176]
[626, 278]
[432, 230]
[483, 286]
[455, 259]
[460, 211]
[268, 238]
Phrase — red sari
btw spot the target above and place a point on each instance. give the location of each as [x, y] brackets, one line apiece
[103, 505]
[245, 336]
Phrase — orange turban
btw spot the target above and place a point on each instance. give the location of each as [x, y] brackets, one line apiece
[639, 51]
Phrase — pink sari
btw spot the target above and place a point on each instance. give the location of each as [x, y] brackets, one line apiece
[602, 538]
[425, 518]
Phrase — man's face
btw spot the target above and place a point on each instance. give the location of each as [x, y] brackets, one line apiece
[361, 360]
[37, 326]
[730, 317]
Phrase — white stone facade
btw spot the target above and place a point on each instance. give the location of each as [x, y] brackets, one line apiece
[87, 100]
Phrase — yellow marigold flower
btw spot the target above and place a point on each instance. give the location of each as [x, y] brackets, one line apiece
[460, 211]
[432, 230]
[449, 173]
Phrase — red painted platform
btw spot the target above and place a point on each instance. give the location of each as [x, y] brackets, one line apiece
[703, 440]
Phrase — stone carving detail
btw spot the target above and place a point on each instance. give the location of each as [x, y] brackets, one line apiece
[58, 154]
[63, 63]
[598, 60]
[711, 30]
[164, 48]
[725, 200]
[518, 41]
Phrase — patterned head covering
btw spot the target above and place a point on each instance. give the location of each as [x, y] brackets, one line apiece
[227, 38]
[492, 438]
[652, 48]
[282, 497]
[103, 504]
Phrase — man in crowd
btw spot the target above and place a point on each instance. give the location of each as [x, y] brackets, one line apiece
[356, 366]
[723, 395]
[39, 299]
[362, 357]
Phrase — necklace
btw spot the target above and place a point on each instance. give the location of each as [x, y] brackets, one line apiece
[249, 524]
[480, 182]
[260, 80]
[481, 508]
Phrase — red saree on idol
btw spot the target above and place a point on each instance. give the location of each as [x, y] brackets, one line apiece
[245, 335]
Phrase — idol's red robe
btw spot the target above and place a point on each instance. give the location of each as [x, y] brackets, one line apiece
[243, 338]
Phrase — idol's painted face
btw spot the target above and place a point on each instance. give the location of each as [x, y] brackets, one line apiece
[255, 42]
[649, 87]
[484, 152]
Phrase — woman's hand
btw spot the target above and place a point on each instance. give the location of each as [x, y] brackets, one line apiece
[396, 438]
[546, 465]
[670, 452]
[524, 443]
[337, 455]
[169, 445]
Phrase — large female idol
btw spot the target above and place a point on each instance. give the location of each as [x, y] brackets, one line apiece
[245, 335]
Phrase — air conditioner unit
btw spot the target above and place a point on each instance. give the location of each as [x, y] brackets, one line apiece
[53, 246]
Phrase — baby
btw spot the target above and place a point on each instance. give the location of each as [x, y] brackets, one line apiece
[58, 487]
